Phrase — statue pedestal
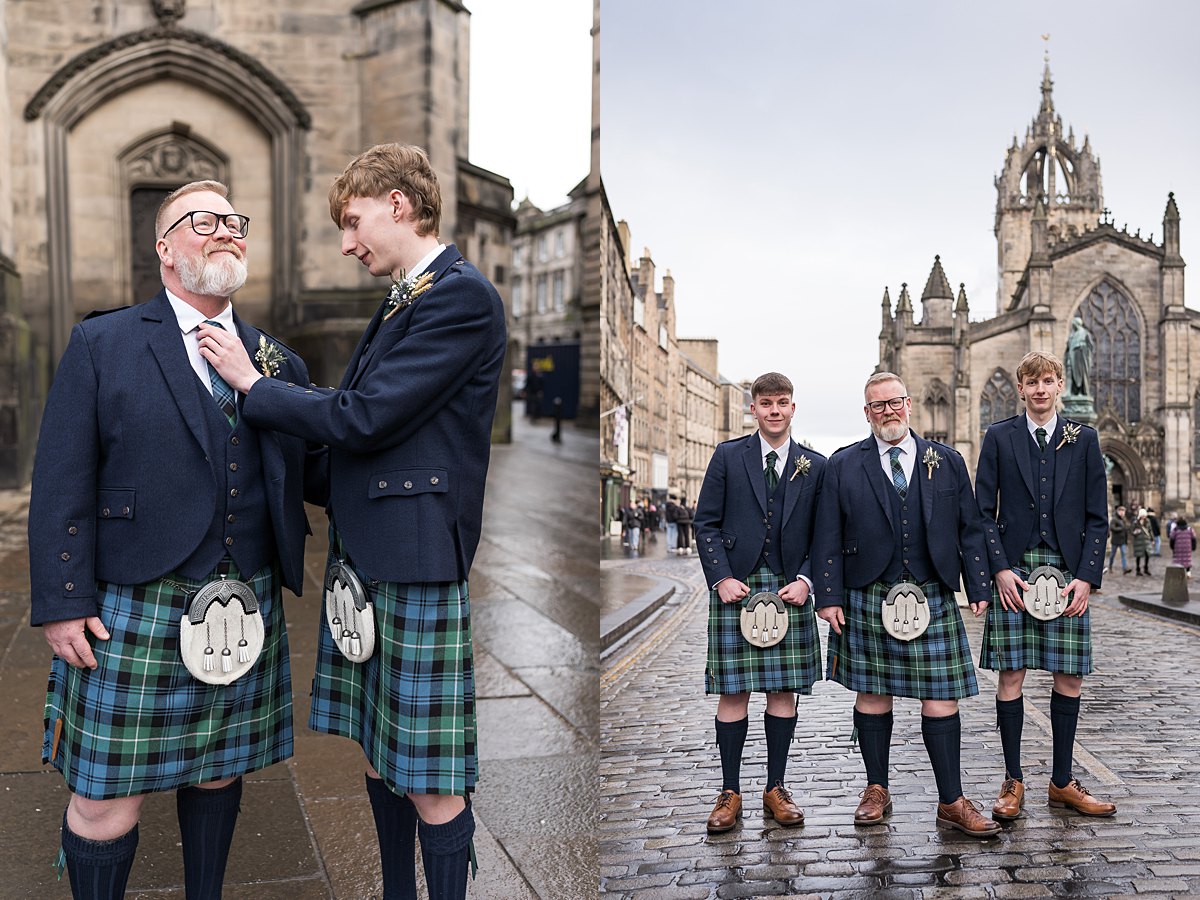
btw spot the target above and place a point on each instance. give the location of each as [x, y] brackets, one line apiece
[1175, 590]
[1079, 408]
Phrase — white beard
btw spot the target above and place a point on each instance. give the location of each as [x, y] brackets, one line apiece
[893, 431]
[218, 275]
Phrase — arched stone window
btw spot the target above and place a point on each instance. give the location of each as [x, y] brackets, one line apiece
[998, 399]
[937, 412]
[1117, 368]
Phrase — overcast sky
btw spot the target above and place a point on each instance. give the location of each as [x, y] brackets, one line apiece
[531, 90]
[789, 161]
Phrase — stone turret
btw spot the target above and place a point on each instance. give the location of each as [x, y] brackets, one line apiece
[937, 298]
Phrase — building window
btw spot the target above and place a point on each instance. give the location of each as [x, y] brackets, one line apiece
[560, 244]
[543, 252]
[541, 293]
[518, 255]
[1117, 368]
[516, 298]
[499, 275]
[937, 412]
[559, 292]
[639, 310]
[998, 400]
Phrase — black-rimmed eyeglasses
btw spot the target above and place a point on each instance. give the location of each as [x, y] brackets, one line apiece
[896, 403]
[204, 222]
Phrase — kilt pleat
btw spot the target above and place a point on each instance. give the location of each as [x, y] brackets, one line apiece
[735, 666]
[1016, 640]
[935, 666]
[411, 706]
[140, 722]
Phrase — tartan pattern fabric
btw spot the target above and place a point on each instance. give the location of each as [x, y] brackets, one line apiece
[411, 706]
[222, 392]
[140, 722]
[1016, 640]
[935, 666]
[899, 482]
[734, 666]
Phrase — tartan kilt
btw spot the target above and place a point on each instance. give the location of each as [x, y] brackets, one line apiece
[736, 667]
[411, 706]
[140, 722]
[935, 666]
[1016, 640]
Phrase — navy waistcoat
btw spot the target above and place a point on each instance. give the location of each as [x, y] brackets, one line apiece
[1041, 463]
[910, 553]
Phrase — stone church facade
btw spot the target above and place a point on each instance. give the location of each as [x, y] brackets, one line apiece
[107, 105]
[1060, 256]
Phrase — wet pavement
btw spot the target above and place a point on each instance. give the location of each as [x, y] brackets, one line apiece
[306, 829]
[1136, 744]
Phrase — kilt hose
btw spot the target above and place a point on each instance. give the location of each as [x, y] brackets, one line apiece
[140, 722]
[1016, 640]
[735, 666]
[935, 666]
[411, 706]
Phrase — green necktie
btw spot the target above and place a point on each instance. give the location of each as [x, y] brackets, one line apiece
[770, 473]
[1041, 437]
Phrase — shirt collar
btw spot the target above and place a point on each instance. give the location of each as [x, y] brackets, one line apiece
[908, 446]
[764, 448]
[426, 261]
[1049, 426]
[189, 318]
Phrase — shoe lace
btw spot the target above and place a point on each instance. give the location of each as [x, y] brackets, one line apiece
[1009, 787]
[725, 799]
[781, 792]
[875, 792]
[1079, 787]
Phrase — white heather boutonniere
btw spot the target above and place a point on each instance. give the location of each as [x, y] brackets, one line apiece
[1070, 434]
[404, 292]
[268, 356]
[931, 460]
[803, 464]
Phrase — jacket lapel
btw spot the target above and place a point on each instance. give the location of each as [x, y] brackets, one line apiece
[873, 472]
[791, 489]
[272, 452]
[919, 469]
[754, 470]
[1019, 435]
[1063, 457]
[166, 344]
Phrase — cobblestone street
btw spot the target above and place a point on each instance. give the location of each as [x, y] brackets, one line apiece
[1136, 745]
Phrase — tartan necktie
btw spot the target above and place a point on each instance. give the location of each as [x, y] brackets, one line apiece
[899, 482]
[222, 392]
[1041, 437]
[770, 473]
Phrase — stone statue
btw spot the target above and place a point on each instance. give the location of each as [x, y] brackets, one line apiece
[1077, 373]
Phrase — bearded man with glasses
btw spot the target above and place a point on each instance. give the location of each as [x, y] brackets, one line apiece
[897, 529]
[151, 492]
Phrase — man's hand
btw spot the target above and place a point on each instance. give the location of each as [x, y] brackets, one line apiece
[1011, 590]
[979, 608]
[68, 639]
[1079, 604]
[228, 356]
[794, 592]
[833, 615]
[730, 590]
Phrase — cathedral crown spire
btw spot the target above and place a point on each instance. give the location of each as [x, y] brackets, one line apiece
[1047, 108]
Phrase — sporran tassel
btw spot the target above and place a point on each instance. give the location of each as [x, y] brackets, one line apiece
[355, 644]
[208, 659]
[243, 651]
[226, 660]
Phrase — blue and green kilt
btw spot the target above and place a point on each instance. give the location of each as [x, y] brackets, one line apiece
[411, 706]
[735, 666]
[935, 666]
[140, 722]
[1016, 640]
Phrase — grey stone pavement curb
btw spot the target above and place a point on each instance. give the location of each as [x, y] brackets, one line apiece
[1153, 603]
[620, 622]
[306, 830]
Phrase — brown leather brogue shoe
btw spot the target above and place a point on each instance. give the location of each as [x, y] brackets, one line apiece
[965, 816]
[875, 805]
[726, 813]
[777, 803]
[1011, 799]
[1076, 796]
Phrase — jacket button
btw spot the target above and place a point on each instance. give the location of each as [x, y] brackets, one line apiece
[382, 485]
[433, 480]
[72, 530]
[124, 510]
[228, 542]
[408, 485]
[229, 518]
[291, 384]
[233, 492]
[65, 557]
[234, 440]
[70, 585]
[104, 512]
[233, 467]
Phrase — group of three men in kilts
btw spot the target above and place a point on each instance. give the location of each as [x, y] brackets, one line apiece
[898, 510]
[145, 489]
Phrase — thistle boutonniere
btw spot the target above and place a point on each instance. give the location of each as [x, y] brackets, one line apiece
[1070, 434]
[268, 356]
[404, 292]
[931, 460]
[803, 464]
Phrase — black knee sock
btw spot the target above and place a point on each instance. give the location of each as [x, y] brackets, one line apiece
[206, 822]
[446, 853]
[875, 744]
[943, 738]
[1010, 718]
[780, 730]
[731, 738]
[1064, 716]
[99, 870]
[396, 827]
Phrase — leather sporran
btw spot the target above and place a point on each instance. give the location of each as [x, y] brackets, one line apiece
[764, 619]
[905, 611]
[348, 613]
[1044, 599]
[221, 634]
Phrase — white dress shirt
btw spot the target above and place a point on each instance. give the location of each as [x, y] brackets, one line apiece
[764, 448]
[190, 319]
[1034, 426]
[426, 261]
[908, 456]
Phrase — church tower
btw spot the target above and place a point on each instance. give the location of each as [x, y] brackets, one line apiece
[1049, 165]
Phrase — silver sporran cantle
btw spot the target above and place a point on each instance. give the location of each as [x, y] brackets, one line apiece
[348, 612]
[1044, 599]
[764, 619]
[221, 634]
[905, 611]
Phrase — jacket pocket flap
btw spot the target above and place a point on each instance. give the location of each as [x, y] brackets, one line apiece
[403, 482]
[114, 503]
[849, 548]
[728, 538]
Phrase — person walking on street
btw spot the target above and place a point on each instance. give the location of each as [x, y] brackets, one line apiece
[897, 529]
[754, 522]
[1041, 487]
[671, 516]
[1155, 530]
[1118, 530]
[683, 522]
[1183, 544]
[1143, 540]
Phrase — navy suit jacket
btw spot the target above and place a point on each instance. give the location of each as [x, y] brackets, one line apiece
[854, 522]
[1007, 492]
[733, 515]
[409, 430]
[123, 428]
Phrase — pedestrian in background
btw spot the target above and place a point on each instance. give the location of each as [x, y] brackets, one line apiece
[1143, 540]
[1118, 531]
[1155, 530]
[683, 522]
[1183, 544]
[633, 526]
[671, 516]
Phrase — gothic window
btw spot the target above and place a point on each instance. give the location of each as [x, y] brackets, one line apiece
[998, 400]
[1117, 365]
[937, 412]
[1037, 178]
